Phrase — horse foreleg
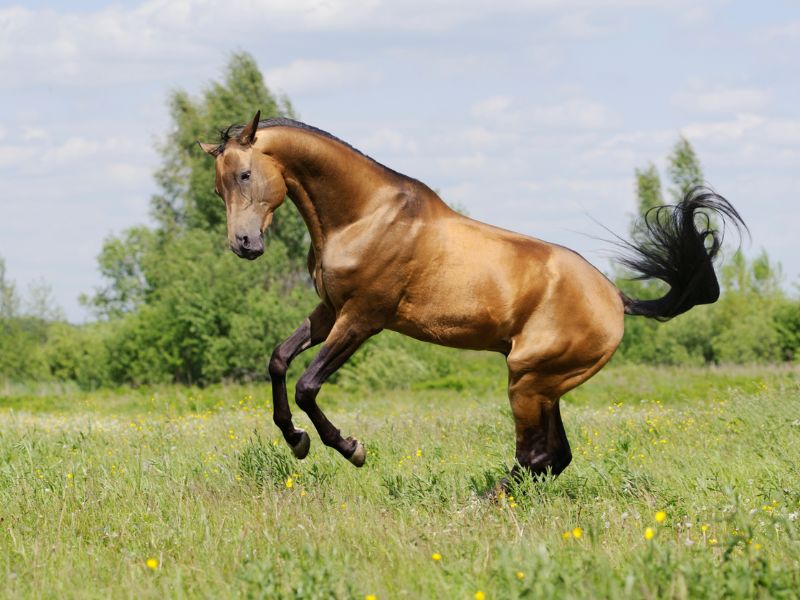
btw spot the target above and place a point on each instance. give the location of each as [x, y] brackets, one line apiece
[344, 339]
[313, 331]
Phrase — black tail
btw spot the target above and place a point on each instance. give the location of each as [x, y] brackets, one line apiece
[679, 253]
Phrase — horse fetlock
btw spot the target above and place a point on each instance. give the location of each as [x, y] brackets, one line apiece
[300, 443]
[542, 463]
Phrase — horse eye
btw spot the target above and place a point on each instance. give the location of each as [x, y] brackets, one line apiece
[245, 175]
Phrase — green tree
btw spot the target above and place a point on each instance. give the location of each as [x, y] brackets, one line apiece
[21, 335]
[9, 302]
[753, 321]
[122, 266]
[648, 195]
[684, 169]
[187, 309]
[187, 199]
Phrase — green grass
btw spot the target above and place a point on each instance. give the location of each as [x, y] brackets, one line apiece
[92, 485]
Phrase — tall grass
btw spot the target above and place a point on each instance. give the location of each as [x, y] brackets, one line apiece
[171, 492]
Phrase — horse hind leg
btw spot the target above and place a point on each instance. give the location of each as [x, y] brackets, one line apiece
[535, 389]
[542, 446]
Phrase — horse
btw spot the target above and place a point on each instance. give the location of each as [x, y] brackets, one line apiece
[387, 253]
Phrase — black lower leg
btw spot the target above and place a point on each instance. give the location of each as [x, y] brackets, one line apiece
[311, 332]
[278, 364]
[543, 447]
[307, 389]
[332, 356]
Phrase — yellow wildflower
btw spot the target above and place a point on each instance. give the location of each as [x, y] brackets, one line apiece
[649, 533]
[289, 482]
[566, 535]
[370, 597]
[703, 527]
[577, 533]
[419, 452]
[479, 595]
[152, 563]
[436, 556]
[660, 516]
[520, 575]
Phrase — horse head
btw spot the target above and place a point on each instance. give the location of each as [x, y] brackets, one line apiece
[251, 184]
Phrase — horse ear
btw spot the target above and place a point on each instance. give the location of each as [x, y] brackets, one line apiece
[248, 135]
[212, 149]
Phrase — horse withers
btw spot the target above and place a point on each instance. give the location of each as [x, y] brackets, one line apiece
[388, 253]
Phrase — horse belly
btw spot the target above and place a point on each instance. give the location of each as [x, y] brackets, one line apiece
[469, 312]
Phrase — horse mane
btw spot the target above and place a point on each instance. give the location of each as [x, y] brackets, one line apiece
[233, 132]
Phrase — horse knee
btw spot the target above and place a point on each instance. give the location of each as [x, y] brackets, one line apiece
[306, 393]
[278, 365]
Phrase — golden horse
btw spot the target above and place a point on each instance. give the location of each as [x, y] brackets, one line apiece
[388, 253]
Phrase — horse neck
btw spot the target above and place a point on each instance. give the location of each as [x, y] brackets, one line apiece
[331, 184]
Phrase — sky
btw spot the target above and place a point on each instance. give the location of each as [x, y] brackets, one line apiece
[533, 115]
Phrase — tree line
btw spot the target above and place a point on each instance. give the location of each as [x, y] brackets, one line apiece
[177, 306]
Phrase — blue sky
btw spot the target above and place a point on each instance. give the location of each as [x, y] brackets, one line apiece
[531, 114]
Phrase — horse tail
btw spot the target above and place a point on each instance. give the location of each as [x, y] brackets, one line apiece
[678, 246]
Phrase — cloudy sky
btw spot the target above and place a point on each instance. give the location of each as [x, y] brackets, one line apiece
[532, 114]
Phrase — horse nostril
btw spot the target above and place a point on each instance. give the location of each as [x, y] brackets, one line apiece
[245, 241]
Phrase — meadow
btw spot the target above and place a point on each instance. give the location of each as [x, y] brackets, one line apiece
[685, 483]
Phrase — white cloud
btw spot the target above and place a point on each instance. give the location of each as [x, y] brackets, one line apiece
[574, 113]
[782, 32]
[304, 75]
[129, 173]
[571, 113]
[724, 130]
[514, 109]
[387, 140]
[722, 100]
[492, 107]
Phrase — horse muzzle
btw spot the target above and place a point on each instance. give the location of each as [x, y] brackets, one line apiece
[248, 246]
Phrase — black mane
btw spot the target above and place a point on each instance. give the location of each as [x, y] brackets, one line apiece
[235, 130]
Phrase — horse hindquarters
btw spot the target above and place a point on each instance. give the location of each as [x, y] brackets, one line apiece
[550, 357]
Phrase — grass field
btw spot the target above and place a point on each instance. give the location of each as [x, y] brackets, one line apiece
[683, 484]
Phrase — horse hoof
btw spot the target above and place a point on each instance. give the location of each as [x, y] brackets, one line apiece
[359, 455]
[300, 449]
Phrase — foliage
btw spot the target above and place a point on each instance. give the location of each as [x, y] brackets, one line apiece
[753, 322]
[177, 306]
[189, 310]
[684, 169]
[648, 195]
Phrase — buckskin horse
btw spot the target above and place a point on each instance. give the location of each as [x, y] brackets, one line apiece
[387, 253]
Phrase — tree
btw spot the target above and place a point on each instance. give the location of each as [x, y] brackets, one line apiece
[183, 307]
[648, 195]
[187, 199]
[9, 302]
[684, 169]
[121, 263]
[752, 322]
